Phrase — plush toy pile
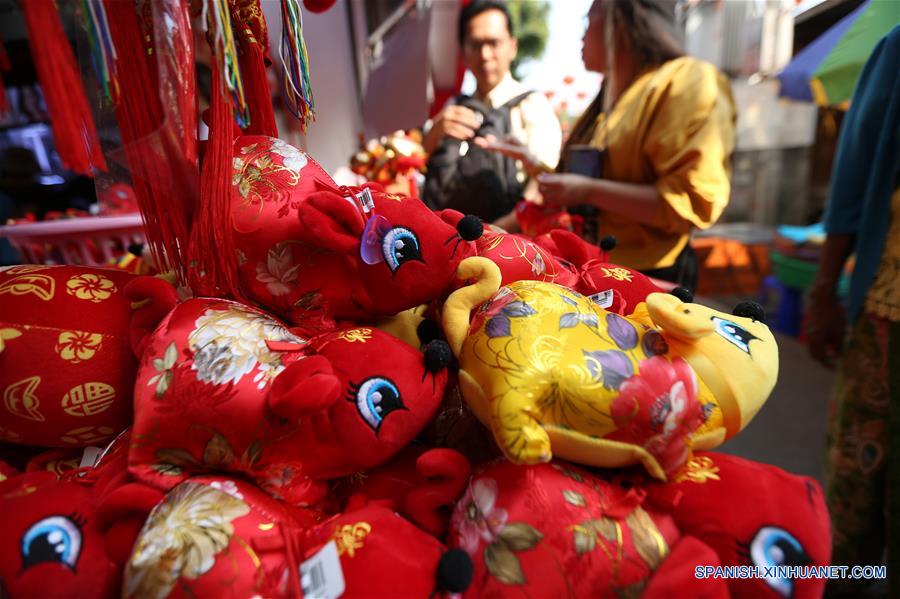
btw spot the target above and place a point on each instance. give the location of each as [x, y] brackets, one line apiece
[301, 436]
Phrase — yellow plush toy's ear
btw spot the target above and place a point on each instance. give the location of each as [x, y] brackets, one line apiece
[677, 318]
[459, 305]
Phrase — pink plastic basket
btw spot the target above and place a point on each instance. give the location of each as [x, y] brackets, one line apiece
[89, 241]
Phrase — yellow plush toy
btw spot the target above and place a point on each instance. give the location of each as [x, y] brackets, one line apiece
[550, 372]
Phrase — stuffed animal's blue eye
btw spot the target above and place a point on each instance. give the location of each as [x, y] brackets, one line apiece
[773, 546]
[734, 333]
[54, 539]
[399, 246]
[375, 399]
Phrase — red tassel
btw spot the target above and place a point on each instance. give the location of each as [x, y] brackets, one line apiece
[253, 37]
[70, 116]
[4, 68]
[165, 189]
[256, 90]
[213, 255]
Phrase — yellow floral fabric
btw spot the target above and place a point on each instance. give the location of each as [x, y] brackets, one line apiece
[883, 298]
[673, 128]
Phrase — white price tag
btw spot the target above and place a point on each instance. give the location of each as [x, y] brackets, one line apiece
[90, 457]
[321, 576]
[366, 200]
[604, 299]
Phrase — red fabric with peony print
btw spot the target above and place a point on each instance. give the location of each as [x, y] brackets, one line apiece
[555, 530]
[754, 514]
[298, 237]
[66, 367]
[223, 386]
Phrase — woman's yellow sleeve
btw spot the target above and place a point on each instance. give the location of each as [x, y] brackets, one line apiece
[689, 144]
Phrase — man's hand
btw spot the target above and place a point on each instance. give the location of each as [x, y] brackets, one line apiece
[565, 189]
[516, 150]
[825, 325]
[454, 121]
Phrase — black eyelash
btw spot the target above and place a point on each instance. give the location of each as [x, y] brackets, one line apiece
[352, 391]
[79, 520]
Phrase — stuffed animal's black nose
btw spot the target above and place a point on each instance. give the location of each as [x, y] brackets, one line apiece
[683, 294]
[437, 355]
[608, 243]
[454, 571]
[750, 310]
[470, 227]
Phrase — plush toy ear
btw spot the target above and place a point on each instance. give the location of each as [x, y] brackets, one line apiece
[448, 472]
[331, 221]
[461, 302]
[676, 318]
[121, 513]
[156, 298]
[450, 216]
[308, 385]
[573, 248]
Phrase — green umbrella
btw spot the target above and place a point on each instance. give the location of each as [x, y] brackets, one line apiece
[832, 83]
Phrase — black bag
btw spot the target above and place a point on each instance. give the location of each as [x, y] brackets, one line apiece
[477, 182]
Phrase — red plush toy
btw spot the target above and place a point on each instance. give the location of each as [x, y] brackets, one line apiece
[755, 514]
[214, 536]
[383, 555]
[562, 257]
[615, 287]
[51, 546]
[557, 530]
[311, 251]
[554, 530]
[70, 537]
[418, 483]
[222, 386]
[66, 367]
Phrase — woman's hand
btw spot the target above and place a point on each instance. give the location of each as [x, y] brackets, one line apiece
[825, 325]
[512, 148]
[565, 189]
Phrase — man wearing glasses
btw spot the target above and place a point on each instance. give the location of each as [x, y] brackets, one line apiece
[489, 47]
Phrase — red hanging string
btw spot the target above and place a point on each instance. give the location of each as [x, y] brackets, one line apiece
[70, 115]
[213, 255]
[163, 193]
[253, 37]
[4, 68]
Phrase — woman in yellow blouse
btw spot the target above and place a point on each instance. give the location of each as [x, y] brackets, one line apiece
[664, 123]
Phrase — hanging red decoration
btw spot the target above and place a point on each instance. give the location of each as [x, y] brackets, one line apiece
[164, 193]
[70, 115]
[252, 35]
[4, 68]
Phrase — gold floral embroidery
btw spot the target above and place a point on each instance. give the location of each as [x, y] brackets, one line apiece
[91, 287]
[77, 346]
[349, 537]
[182, 538]
[256, 174]
[354, 335]
[619, 274]
[699, 470]
[40, 285]
[21, 401]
